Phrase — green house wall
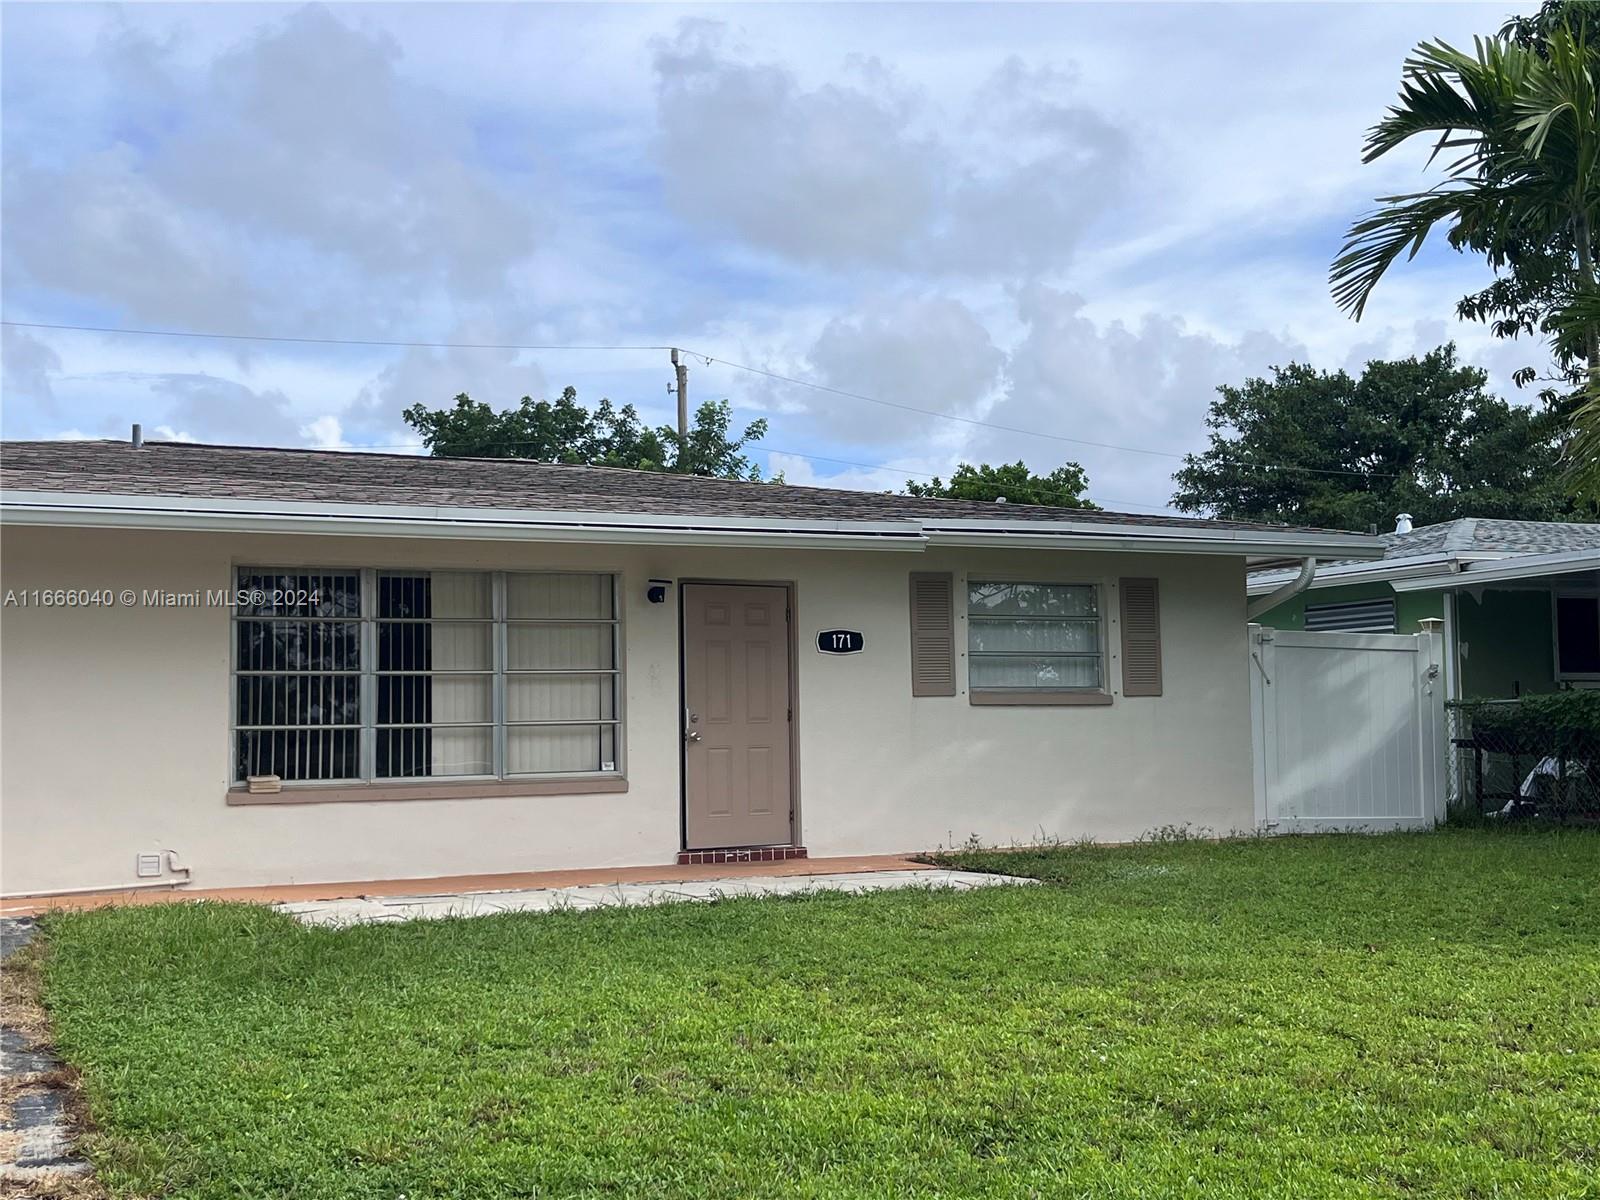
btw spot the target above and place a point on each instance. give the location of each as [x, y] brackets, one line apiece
[1409, 607]
[1504, 638]
[1506, 641]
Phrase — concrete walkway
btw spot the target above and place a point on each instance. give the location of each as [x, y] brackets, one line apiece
[364, 910]
[35, 1134]
[517, 881]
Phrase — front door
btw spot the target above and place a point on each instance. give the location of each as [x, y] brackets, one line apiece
[736, 779]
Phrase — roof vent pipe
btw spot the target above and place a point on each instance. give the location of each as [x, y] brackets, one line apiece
[1402, 523]
[138, 436]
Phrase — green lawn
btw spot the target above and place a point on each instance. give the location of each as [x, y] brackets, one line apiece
[1415, 1015]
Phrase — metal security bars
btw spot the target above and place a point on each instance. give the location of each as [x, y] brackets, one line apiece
[369, 675]
[297, 675]
[1034, 637]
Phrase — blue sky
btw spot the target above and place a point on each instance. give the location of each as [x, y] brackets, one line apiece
[1072, 219]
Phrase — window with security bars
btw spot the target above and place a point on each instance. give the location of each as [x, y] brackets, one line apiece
[1034, 637]
[367, 675]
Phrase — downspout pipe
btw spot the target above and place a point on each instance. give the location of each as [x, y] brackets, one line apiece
[1263, 604]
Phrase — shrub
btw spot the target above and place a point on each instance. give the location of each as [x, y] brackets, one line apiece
[1565, 724]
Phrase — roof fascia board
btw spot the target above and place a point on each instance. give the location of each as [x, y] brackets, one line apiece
[1527, 566]
[211, 513]
[1119, 539]
[78, 501]
[1348, 545]
[1383, 570]
[1364, 572]
[200, 522]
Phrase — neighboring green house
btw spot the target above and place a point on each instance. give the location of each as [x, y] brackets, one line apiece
[1520, 600]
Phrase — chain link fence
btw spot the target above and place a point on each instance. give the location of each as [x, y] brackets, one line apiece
[1507, 767]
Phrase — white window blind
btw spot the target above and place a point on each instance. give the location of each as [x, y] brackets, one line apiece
[1032, 637]
[386, 675]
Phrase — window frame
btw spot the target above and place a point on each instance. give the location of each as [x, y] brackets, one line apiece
[368, 783]
[1043, 697]
[1556, 596]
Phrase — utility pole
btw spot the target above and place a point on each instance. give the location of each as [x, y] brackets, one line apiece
[682, 370]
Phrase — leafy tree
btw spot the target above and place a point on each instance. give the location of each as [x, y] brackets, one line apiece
[1417, 435]
[1062, 488]
[710, 450]
[1519, 124]
[567, 432]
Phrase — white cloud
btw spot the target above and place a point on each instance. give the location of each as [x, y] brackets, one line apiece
[927, 352]
[806, 472]
[29, 367]
[1078, 219]
[223, 410]
[300, 176]
[858, 172]
[434, 378]
[324, 434]
[1145, 386]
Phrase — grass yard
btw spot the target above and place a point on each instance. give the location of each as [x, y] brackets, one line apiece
[1414, 1015]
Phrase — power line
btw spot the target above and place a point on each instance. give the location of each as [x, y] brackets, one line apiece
[315, 341]
[821, 387]
[707, 358]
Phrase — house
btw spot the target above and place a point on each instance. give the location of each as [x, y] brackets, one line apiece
[267, 666]
[1520, 600]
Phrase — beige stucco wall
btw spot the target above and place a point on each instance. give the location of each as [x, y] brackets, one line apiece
[114, 722]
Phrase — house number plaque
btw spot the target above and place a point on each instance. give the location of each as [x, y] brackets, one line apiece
[840, 641]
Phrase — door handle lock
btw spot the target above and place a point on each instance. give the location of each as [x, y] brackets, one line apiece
[692, 735]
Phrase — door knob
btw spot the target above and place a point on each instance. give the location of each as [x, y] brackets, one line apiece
[691, 735]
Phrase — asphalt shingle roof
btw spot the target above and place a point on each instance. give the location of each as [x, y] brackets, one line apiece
[342, 477]
[1479, 535]
[1465, 538]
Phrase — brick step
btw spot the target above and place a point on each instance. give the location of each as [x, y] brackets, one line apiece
[748, 854]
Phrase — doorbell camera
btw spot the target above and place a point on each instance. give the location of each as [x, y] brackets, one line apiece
[656, 593]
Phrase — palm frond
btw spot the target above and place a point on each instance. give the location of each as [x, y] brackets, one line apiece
[1581, 459]
[1476, 212]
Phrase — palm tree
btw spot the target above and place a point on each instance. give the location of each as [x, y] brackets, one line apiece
[1523, 130]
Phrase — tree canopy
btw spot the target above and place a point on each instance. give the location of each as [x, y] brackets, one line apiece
[1515, 127]
[1416, 435]
[1062, 488]
[566, 431]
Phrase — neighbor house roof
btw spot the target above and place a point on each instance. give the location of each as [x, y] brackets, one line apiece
[1460, 553]
[183, 485]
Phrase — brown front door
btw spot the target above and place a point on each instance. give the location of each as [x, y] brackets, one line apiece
[736, 781]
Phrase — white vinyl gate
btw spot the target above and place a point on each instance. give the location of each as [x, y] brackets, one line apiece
[1349, 729]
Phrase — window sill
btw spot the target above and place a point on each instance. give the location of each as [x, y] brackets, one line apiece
[1040, 699]
[468, 790]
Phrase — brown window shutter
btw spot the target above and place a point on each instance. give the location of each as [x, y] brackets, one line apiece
[933, 635]
[1141, 637]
